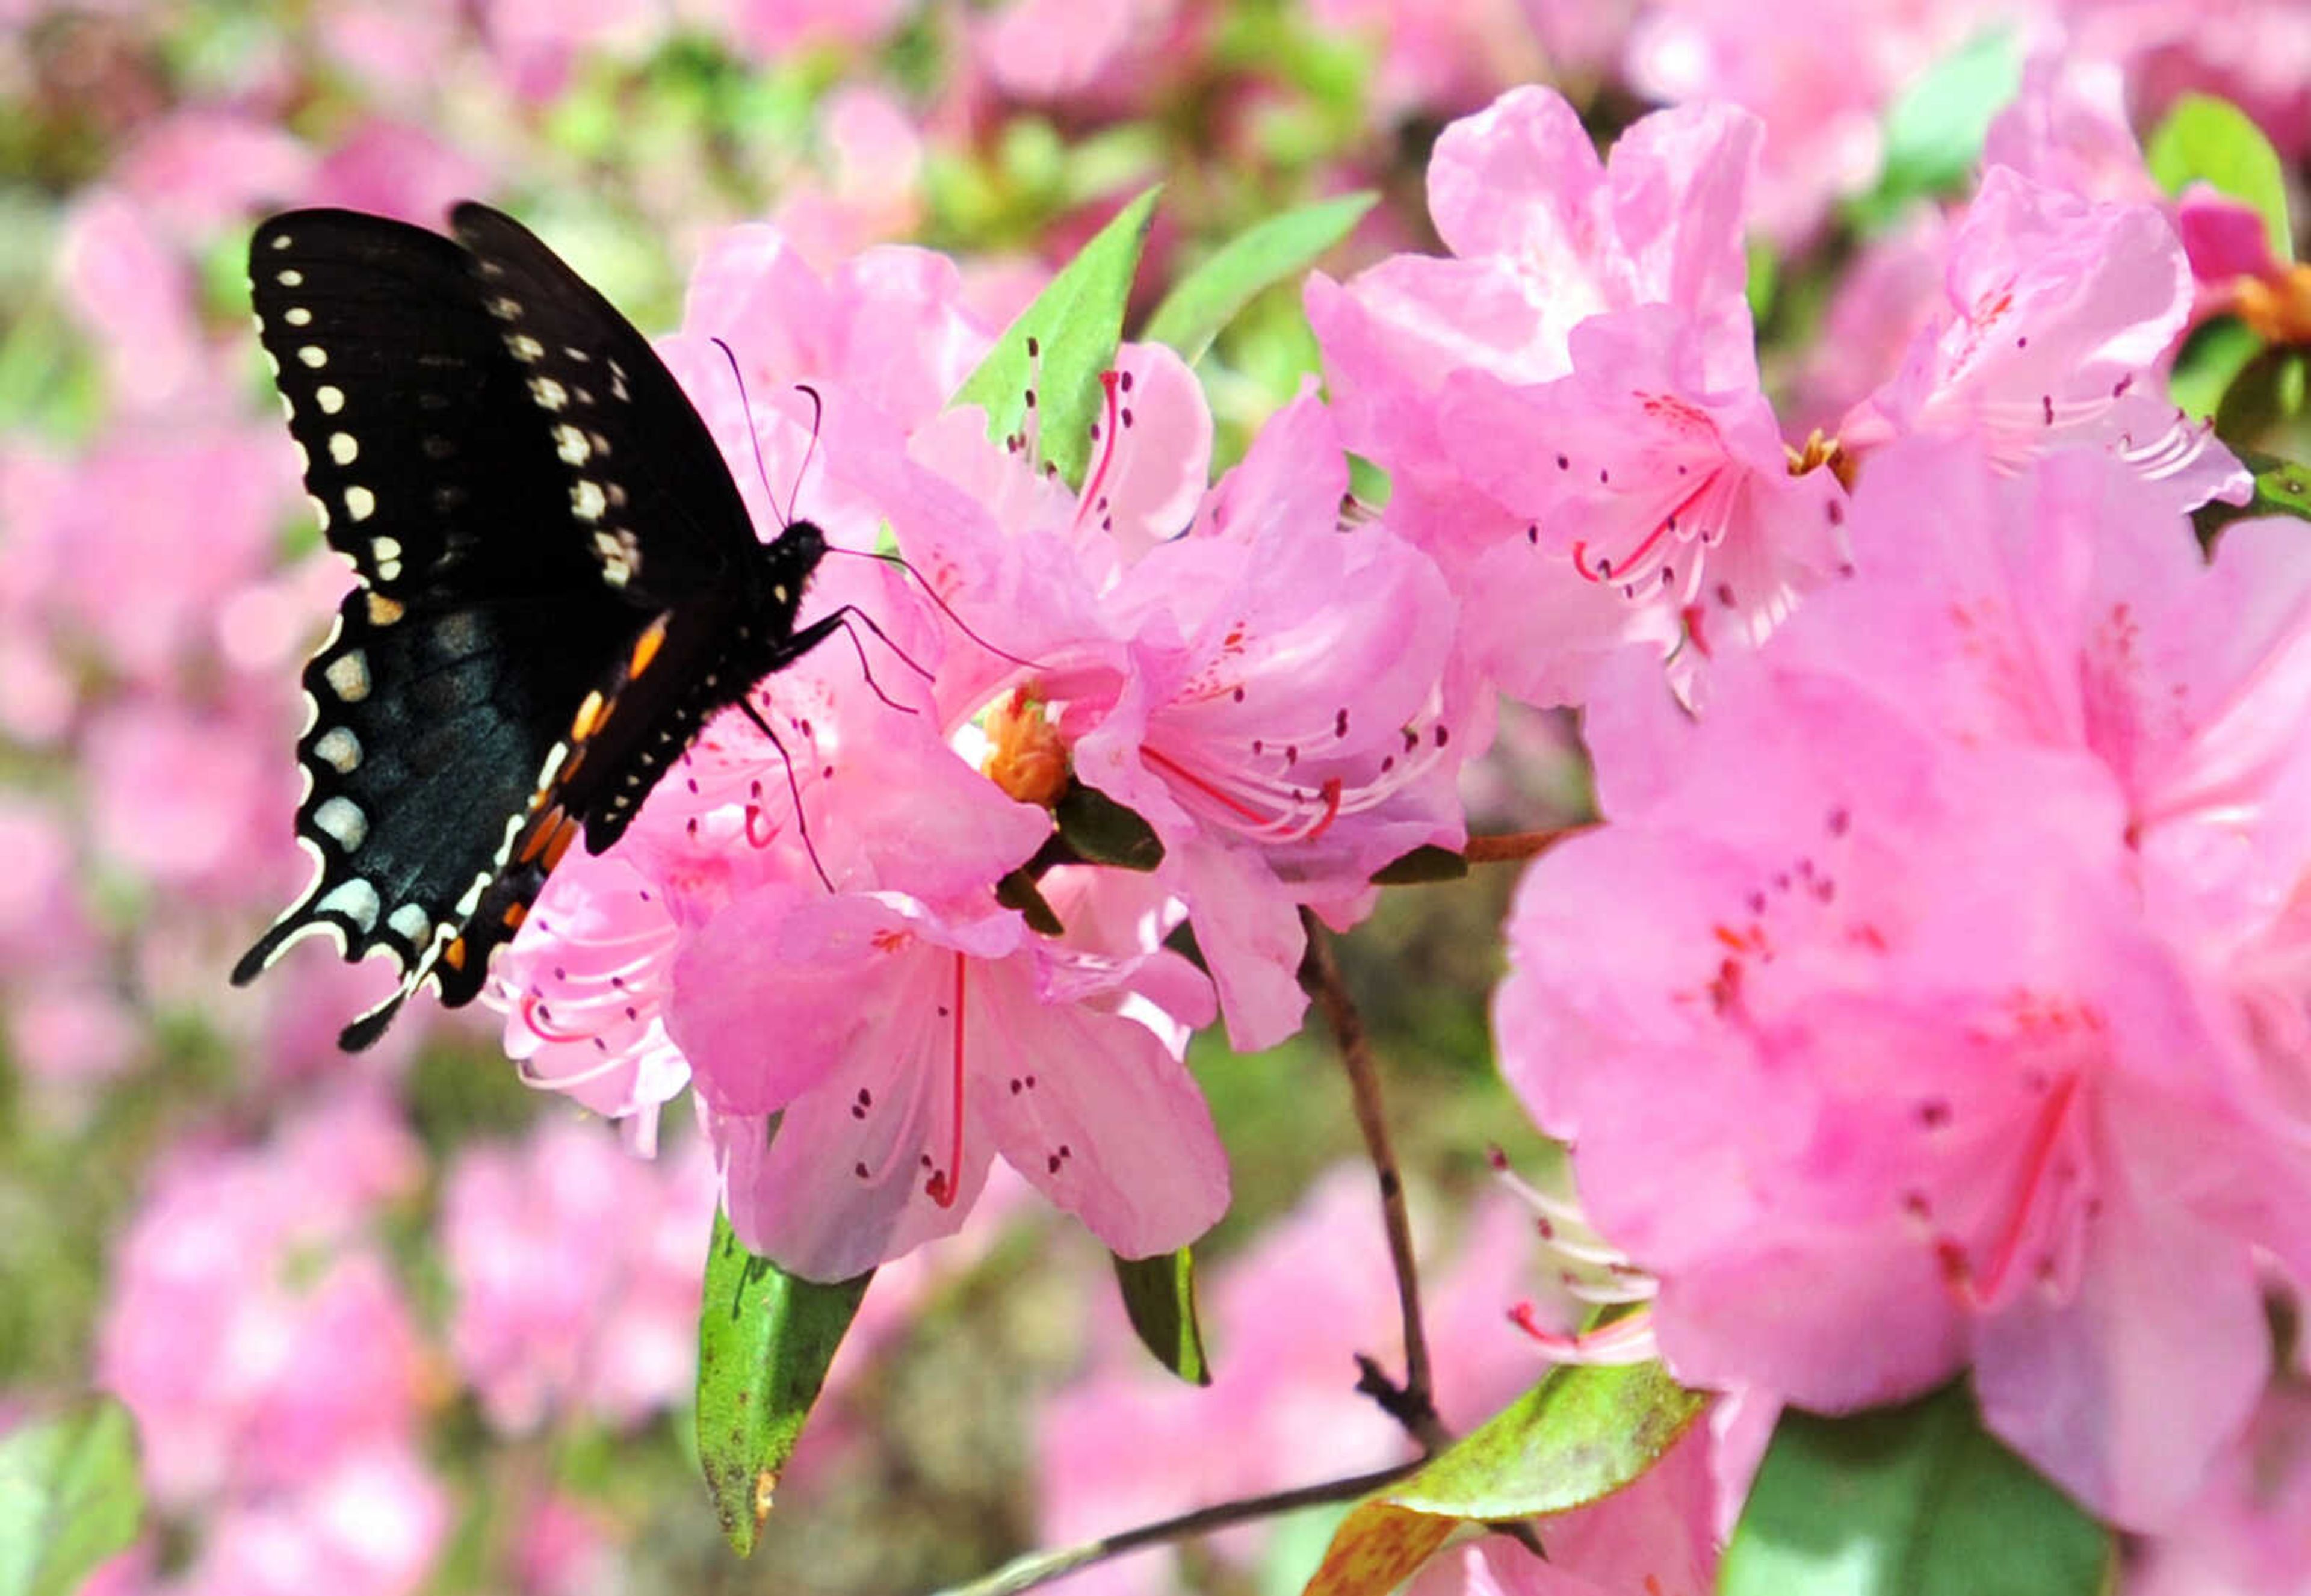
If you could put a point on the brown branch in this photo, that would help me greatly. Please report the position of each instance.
(1025, 1573)
(1412, 1404)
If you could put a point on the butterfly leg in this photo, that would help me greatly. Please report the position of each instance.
(794, 787)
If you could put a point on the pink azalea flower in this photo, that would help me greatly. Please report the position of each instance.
(2255, 53)
(1286, 732)
(1046, 49)
(1907, 959)
(2249, 1531)
(868, 190)
(397, 169)
(2068, 129)
(1821, 78)
(769, 29)
(1647, 479)
(203, 171)
(916, 1046)
(1437, 60)
(575, 1268)
(114, 552)
(371, 1525)
(397, 50)
(137, 298)
(1436, 368)
(1892, 287)
(259, 1339)
(2059, 310)
(219, 830)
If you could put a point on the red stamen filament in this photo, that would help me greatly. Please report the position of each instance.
(948, 1181)
(1109, 427)
(2036, 1157)
(532, 1006)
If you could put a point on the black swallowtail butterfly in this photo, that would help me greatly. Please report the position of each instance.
(559, 581)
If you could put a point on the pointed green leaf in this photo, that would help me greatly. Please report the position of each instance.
(2207, 140)
(1425, 863)
(1911, 1501)
(1159, 1294)
(1019, 891)
(2281, 487)
(1075, 323)
(1102, 832)
(2211, 359)
(1578, 1436)
(1202, 303)
(70, 1497)
(765, 1339)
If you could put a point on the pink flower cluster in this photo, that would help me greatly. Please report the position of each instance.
(1932, 996)
(867, 1024)
(282, 1382)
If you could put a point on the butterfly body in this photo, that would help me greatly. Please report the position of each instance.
(559, 582)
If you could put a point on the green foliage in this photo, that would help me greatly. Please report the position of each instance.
(1934, 130)
(765, 1339)
(1159, 1295)
(2211, 359)
(2281, 487)
(1279, 249)
(2207, 140)
(1075, 323)
(69, 1497)
(1576, 1438)
(1425, 863)
(1918, 1500)
(1102, 832)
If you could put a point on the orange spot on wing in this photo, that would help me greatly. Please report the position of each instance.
(454, 956)
(646, 647)
(541, 831)
(515, 913)
(589, 713)
(559, 844)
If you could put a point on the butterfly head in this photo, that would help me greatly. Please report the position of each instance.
(785, 567)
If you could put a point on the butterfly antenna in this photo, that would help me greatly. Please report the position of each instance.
(762, 472)
(945, 608)
(818, 414)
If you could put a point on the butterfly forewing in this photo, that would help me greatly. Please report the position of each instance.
(644, 477)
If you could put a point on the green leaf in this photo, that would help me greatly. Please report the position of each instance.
(1075, 323)
(1159, 1294)
(2211, 359)
(1019, 891)
(1102, 832)
(1911, 1501)
(765, 1339)
(2207, 140)
(2281, 487)
(2268, 393)
(70, 1497)
(1934, 130)
(1204, 301)
(1579, 1435)
(1424, 864)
